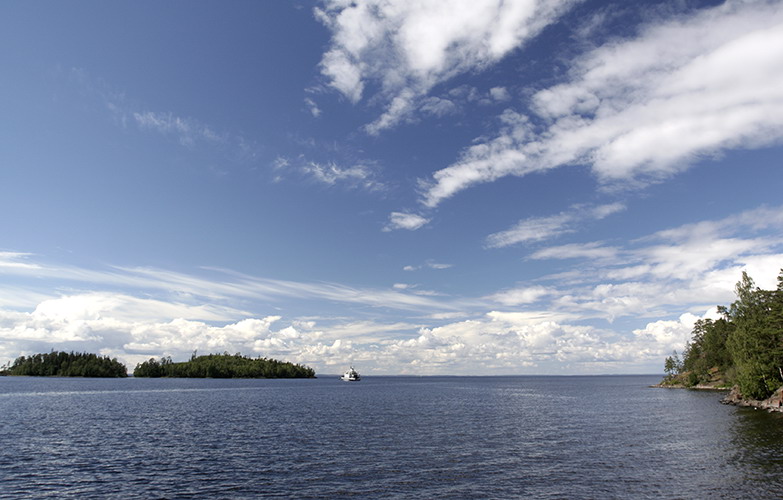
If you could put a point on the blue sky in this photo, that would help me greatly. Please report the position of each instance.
(445, 187)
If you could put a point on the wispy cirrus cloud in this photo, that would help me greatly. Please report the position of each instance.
(692, 264)
(403, 49)
(535, 229)
(362, 175)
(591, 250)
(670, 277)
(187, 130)
(225, 289)
(16, 260)
(644, 108)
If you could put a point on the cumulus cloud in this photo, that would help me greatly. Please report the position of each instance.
(499, 342)
(642, 109)
(499, 93)
(552, 324)
(135, 329)
(438, 106)
(496, 342)
(101, 324)
(671, 335)
(405, 48)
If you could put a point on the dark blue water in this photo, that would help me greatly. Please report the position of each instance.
(383, 437)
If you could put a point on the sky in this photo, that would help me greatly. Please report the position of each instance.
(428, 187)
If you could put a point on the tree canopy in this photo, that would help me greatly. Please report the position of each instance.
(222, 366)
(66, 364)
(743, 347)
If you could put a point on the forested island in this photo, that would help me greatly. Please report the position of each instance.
(743, 349)
(66, 364)
(222, 366)
(71, 364)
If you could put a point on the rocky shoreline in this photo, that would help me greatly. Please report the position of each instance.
(697, 387)
(773, 403)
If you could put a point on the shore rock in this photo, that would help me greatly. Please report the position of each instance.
(697, 387)
(772, 403)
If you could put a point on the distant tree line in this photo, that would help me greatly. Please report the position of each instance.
(66, 364)
(222, 366)
(70, 364)
(744, 347)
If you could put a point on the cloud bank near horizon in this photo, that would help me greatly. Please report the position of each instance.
(672, 277)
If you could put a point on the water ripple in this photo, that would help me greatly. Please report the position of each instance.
(395, 437)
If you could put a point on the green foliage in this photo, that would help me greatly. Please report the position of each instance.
(672, 367)
(66, 364)
(706, 353)
(744, 347)
(222, 366)
(756, 343)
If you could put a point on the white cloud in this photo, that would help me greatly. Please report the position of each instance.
(405, 48)
(16, 259)
(94, 305)
(331, 173)
(499, 94)
(513, 343)
(188, 131)
(684, 88)
(221, 292)
(592, 250)
(405, 220)
(437, 265)
(552, 325)
(671, 335)
(494, 343)
(430, 264)
(438, 106)
(519, 296)
(312, 107)
(358, 175)
(695, 265)
(602, 211)
(532, 229)
(642, 109)
(544, 228)
(483, 162)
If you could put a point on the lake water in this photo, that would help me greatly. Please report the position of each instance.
(383, 437)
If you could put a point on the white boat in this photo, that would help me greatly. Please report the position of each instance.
(351, 376)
